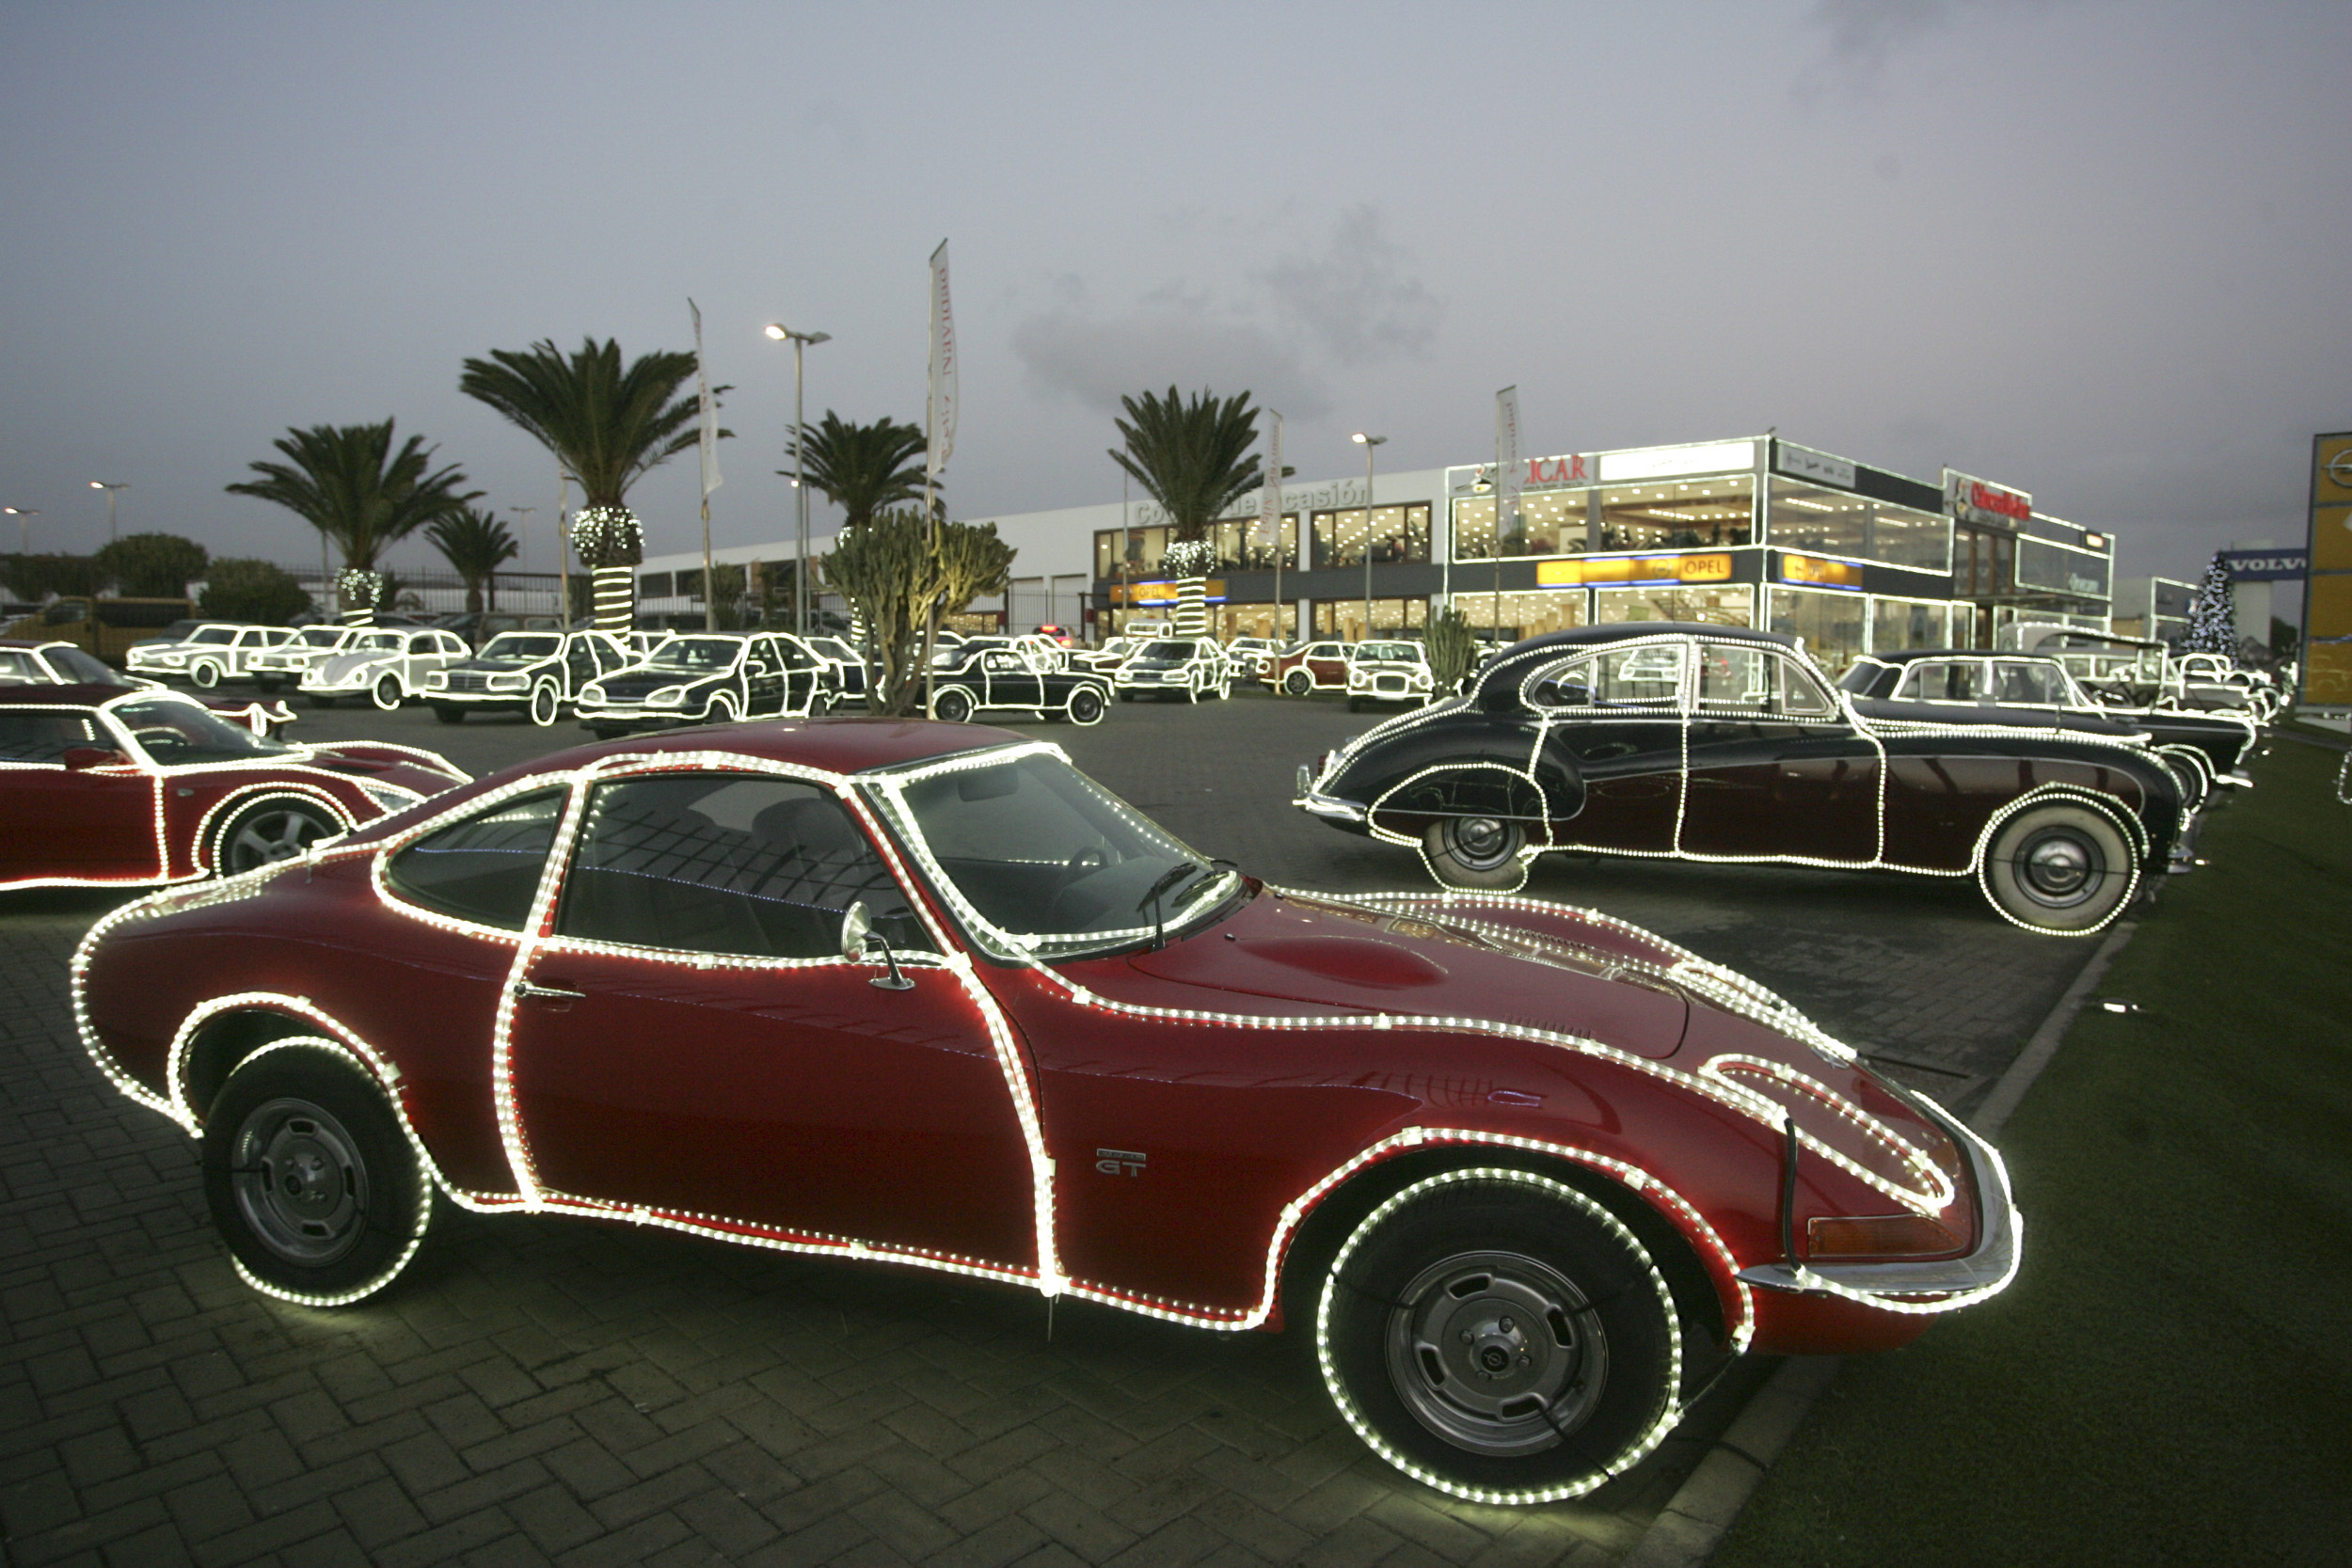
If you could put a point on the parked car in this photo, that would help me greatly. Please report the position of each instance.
(924, 995)
(1955, 686)
(1251, 655)
(108, 787)
(1188, 667)
(477, 626)
(385, 664)
(1306, 667)
(1000, 679)
(845, 672)
(1385, 671)
(273, 668)
(1106, 659)
(1059, 635)
(536, 673)
(25, 661)
(214, 652)
(707, 678)
(1720, 744)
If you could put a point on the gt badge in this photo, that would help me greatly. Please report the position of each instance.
(1119, 1162)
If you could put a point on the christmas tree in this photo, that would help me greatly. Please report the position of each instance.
(2213, 616)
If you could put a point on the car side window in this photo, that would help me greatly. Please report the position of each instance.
(746, 865)
(1801, 695)
(1944, 680)
(2018, 680)
(1639, 677)
(1736, 677)
(45, 737)
(484, 867)
(1564, 685)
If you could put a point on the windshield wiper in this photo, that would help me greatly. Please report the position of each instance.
(1168, 879)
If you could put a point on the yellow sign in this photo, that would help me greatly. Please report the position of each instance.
(1829, 574)
(1580, 570)
(2331, 470)
(2331, 539)
(2330, 610)
(2327, 674)
(1161, 592)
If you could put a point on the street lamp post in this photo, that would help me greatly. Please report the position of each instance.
(24, 529)
(1368, 442)
(799, 471)
(522, 552)
(110, 488)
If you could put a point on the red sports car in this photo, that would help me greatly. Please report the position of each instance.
(924, 995)
(105, 788)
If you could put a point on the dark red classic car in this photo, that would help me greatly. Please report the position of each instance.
(101, 786)
(1722, 744)
(924, 995)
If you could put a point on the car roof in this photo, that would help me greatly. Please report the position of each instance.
(1911, 655)
(850, 745)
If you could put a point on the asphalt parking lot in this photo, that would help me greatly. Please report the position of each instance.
(551, 1389)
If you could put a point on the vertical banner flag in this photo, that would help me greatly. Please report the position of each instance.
(1512, 475)
(1270, 500)
(710, 410)
(940, 434)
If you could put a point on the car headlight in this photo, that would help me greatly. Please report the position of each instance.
(509, 683)
(171, 659)
(669, 696)
(438, 679)
(391, 796)
(592, 692)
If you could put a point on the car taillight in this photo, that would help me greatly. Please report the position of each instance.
(1876, 1236)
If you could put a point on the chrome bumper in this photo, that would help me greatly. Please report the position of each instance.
(1329, 807)
(1983, 1273)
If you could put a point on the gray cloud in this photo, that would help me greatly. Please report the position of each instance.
(1283, 330)
(1862, 36)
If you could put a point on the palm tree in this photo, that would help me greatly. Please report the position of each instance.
(1194, 459)
(349, 482)
(863, 468)
(607, 426)
(475, 545)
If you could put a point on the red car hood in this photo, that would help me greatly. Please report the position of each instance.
(1566, 974)
(393, 765)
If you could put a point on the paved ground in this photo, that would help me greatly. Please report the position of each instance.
(546, 1388)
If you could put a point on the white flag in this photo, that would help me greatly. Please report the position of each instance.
(1512, 476)
(710, 410)
(1270, 502)
(939, 437)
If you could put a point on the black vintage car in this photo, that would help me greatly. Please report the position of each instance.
(991, 677)
(1956, 685)
(1716, 743)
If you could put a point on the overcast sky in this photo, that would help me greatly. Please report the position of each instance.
(2098, 250)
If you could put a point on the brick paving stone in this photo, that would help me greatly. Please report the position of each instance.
(545, 1388)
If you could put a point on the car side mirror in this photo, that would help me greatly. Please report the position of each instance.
(857, 927)
(78, 758)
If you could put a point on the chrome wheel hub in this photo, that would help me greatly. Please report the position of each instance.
(2058, 868)
(1481, 843)
(1496, 1352)
(299, 1183)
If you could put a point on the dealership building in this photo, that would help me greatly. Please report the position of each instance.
(1756, 531)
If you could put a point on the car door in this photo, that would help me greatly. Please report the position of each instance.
(1011, 680)
(692, 1040)
(1775, 768)
(764, 680)
(1618, 713)
(96, 823)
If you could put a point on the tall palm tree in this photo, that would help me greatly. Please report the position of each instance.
(607, 426)
(1194, 459)
(863, 468)
(475, 544)
(349, 482)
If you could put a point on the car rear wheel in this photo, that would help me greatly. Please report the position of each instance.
(309, 1177)
(1085, 705)
(2189, 770)
(951, 706)
(1475, 851)
(387, 693)
(1501, 1335)
(1298, 683)
(205, 675)
(2060, 868)
(449, 713)
(546, 704)
(277, 829)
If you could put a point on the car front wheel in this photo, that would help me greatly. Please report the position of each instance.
(1298, 683)
(951, 706)
(310, 1177)
(1475, 851)
(387, 693)
(205, 675)
(270, 831)
(546, 704)
(2060, 868)
(1501, 1335)
(1085, 705)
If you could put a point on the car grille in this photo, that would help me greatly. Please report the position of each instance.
(468, 680)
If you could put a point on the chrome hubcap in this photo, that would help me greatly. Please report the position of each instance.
(1496, 1352)
(1481, 843)
(299, 1183)
(274, 835)
(2058, 868)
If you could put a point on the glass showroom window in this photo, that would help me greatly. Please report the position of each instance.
(1900, 623)
(1551, 522)
(1522, 614)
(1837, 522)
(1229, 620)
(1344, 618)
(1831, 624)
(1399, 533)
(1714, 606)
(1244, 543)
(1679, 514)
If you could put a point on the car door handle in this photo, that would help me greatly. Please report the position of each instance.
(549, 994)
